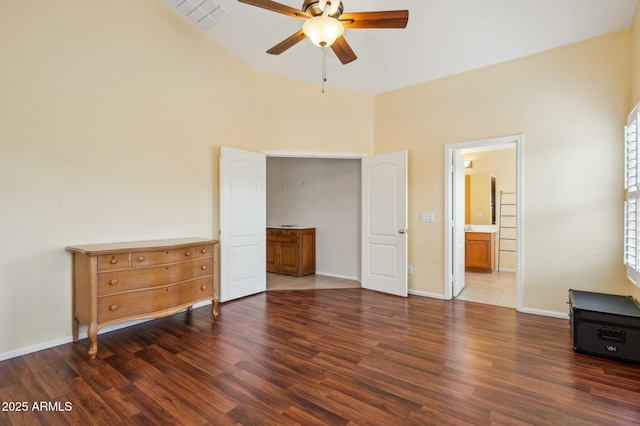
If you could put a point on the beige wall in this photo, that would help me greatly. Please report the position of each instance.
(570, 104)
(635, 59)
(112, 117)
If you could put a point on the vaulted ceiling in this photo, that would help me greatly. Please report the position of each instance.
(443, 37)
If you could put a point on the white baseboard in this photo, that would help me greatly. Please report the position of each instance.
(35, 348)
(81, 335)
(346, 277)
(544, 313)
(426, 294)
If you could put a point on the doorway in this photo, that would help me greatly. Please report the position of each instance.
(507, 271)
(383, 245)
(322, 193)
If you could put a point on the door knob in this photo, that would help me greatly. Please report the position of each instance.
(402, 231)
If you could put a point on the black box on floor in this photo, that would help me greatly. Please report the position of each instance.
(605, 325)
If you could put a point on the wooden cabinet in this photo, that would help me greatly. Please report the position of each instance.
(479, 252)
(140, 280)
(291, 251)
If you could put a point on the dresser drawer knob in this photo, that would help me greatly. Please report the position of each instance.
(203, 288)
(203, 251)
(187, 253)
(113, 307)
(141, 259)
(113, 282)
(203, 267)
(114, 260)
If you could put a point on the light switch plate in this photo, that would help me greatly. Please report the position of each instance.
(427, 217)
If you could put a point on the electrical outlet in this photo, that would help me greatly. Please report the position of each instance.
(409, 270)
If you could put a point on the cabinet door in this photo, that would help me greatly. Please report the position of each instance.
(271, 256)
(478, 254)
(289, 256)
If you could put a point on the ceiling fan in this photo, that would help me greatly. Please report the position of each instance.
(325, 23)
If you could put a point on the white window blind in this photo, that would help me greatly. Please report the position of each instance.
(631, 184)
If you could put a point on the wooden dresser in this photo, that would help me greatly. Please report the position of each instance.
(291, 250)
(140, 280)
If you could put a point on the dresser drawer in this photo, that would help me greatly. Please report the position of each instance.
(283, 232)
(202, 268)
(282, 239)
(150, 258)
(478, 236)
(111, 282)
(203, 251)
(135, 279)
(113, 261)
(141, 303)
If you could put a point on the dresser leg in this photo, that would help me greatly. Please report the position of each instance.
(214, 308)
(92, 333)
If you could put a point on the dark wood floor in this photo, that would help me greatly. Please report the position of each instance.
(336, 357)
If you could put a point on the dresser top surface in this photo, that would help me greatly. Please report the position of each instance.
(97, 249)
(289, 227)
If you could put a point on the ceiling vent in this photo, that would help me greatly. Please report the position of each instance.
(203, 13)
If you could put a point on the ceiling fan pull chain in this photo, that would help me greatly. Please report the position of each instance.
(324, 67)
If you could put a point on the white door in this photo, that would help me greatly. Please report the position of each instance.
(384, 223)
(457, 227)
(242, 223)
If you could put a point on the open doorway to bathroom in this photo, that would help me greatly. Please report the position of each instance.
(483, 236)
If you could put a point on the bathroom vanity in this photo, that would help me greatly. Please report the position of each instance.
(480, 243)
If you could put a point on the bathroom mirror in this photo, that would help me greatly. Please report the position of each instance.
(480, 202)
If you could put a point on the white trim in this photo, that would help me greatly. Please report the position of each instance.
(344, 277)
(488, 148)
(426, 294)
(309, 154)
(35, 348)
(518, 140)
(81, 335)
(544, 313)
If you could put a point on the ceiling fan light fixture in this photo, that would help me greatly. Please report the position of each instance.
(323, 30)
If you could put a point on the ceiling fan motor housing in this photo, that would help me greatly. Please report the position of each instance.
(312, 7)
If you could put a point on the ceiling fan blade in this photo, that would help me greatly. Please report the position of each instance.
(287, 43)
(343, 51)
(381, 19)
(279, 8)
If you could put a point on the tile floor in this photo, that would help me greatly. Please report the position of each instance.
(498, 288)
(286, 282)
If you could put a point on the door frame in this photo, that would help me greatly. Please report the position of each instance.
(340, 155)
(326, 156)
(518, 140)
